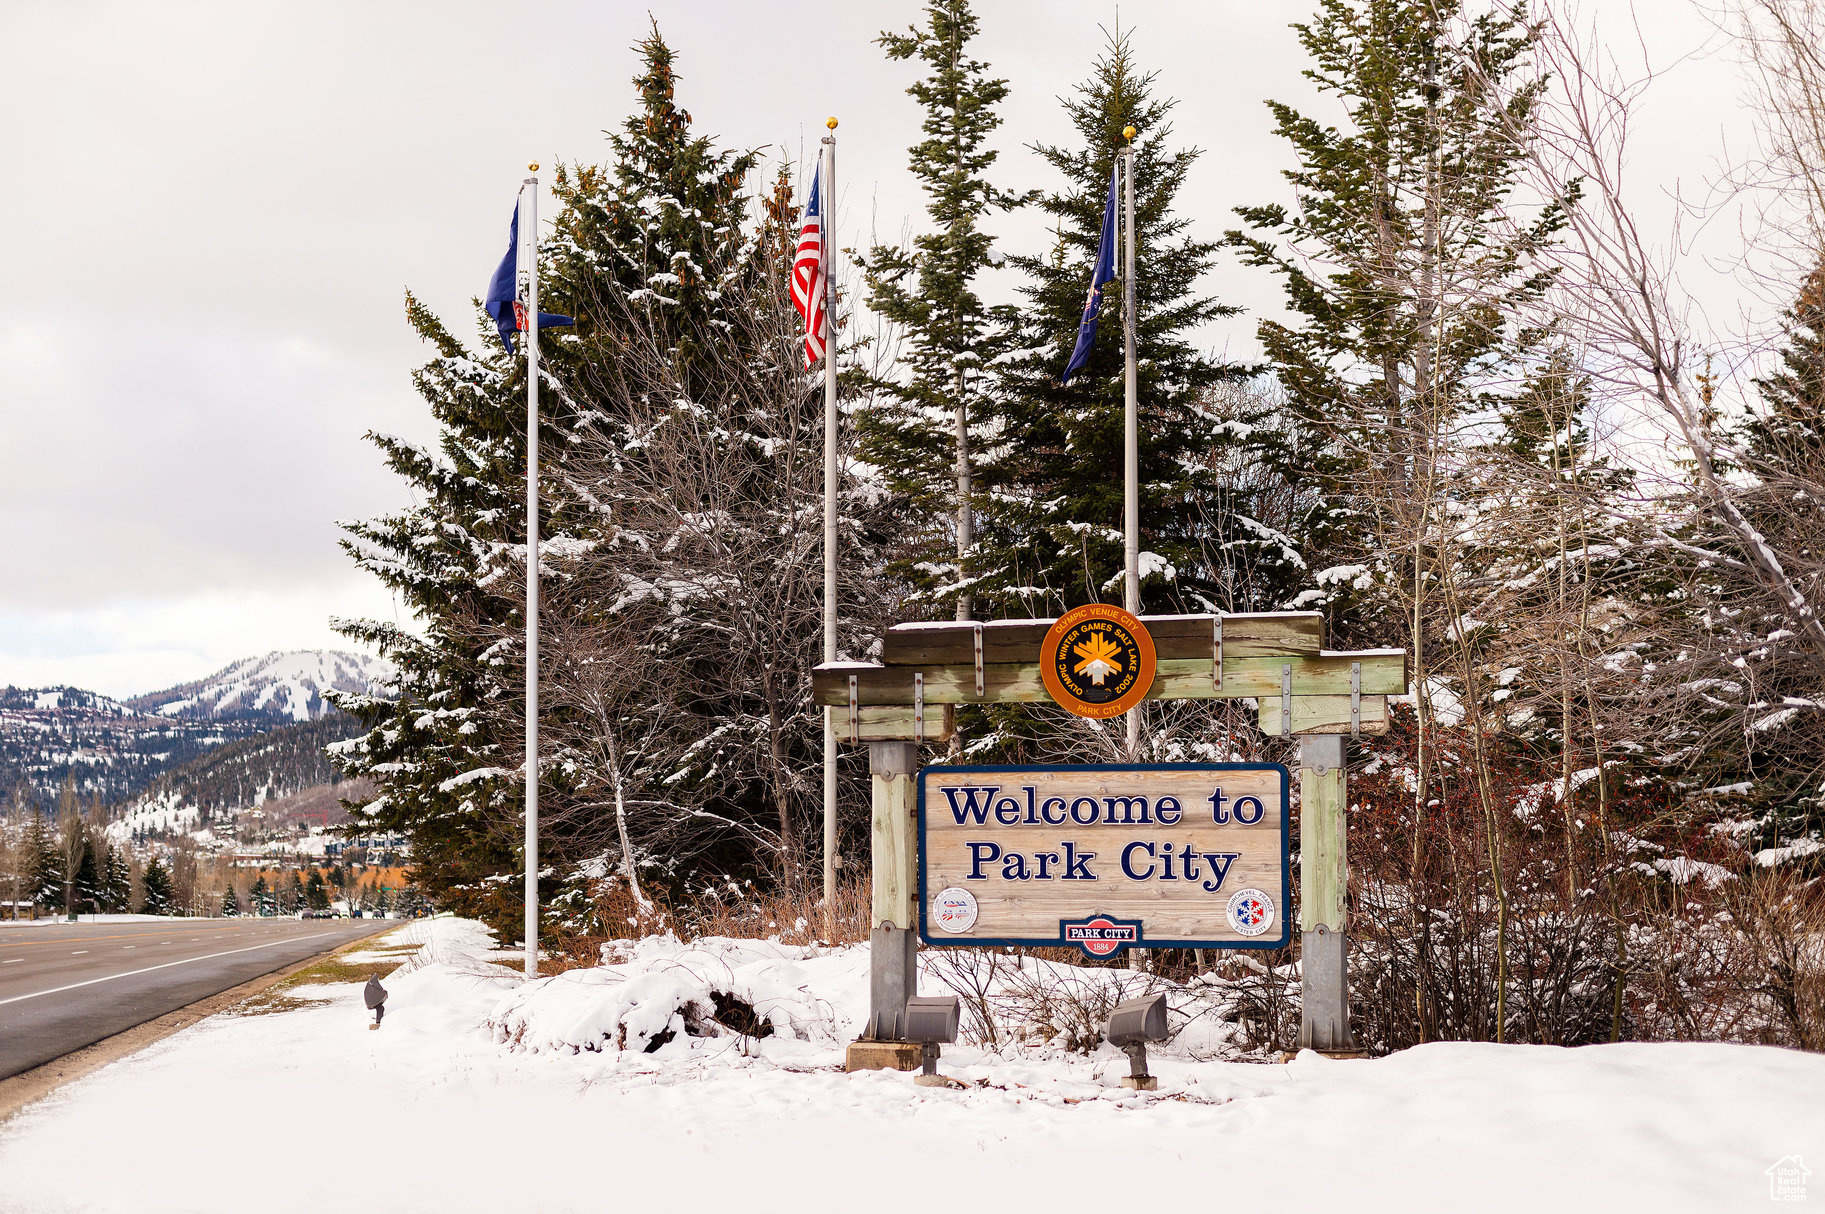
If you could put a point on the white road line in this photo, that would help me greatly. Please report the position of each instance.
(12, 961)
(79, 952)
(167, 965)
(129, 946)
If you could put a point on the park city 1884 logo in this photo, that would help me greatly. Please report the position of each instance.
(1097, 661)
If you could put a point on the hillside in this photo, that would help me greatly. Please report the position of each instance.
(275, 786)
(118, 749)
(113, 751)
(247, 773)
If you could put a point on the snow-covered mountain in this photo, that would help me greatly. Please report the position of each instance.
(278, 687)
(116, 749)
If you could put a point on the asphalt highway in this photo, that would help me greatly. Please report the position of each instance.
(67, 985)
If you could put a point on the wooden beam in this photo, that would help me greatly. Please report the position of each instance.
(1268, 634)
(1384, 672)
(1324, 714)
(892, 722)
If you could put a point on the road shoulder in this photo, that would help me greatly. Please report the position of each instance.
(28, 1087)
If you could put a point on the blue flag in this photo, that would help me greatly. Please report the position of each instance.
(503, 301)
(1105, 270)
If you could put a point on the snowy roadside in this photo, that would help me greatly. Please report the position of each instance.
(56, 920)
(481, 1093)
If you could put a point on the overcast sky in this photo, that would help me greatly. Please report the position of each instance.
(213, 211)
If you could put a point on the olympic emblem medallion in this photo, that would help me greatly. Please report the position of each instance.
(1097, 661)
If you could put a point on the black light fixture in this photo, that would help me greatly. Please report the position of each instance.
(931, 1020)
(375, 996)
(1132, 1024)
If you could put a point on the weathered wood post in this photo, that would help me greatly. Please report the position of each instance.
(893, 937)
(1324, 1019)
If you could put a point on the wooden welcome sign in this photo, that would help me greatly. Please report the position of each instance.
(1105, 857)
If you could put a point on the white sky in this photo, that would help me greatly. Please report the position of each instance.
(215, 209)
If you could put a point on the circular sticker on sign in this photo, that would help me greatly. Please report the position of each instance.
(954, 909)
(1250, 911)
(1097, 661)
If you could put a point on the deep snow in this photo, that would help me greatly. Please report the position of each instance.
(450, 1108)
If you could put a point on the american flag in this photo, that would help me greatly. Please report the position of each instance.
(808, 276)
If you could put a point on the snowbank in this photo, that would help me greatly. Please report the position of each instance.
(659, 989)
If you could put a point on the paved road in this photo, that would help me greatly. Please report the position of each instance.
(67, 985)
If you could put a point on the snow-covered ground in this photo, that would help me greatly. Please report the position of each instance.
(484, 1093)
(54, 920)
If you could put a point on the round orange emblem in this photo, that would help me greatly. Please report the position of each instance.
(1097, 661)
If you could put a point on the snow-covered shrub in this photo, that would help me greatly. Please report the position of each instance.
(653, 991)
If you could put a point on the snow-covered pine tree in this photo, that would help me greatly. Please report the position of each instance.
(923, 430)
(158, 887)
(684, 627)
(438, 775)
(44, 880)
(116, 879)
(1052, 535)
(261, 896)
(1778, 453)
(650, 241)
(1786, 433)
(642, 248)
(231, 905)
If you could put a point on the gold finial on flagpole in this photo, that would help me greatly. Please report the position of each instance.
(534, 166)
(1129, 133)
(831, 123)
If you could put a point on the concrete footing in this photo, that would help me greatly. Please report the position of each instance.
(883, 1056)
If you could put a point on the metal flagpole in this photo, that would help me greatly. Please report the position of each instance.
(827, 251)
(1131, 457)
(529, 238)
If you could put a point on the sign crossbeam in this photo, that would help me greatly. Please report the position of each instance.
(1383, 673)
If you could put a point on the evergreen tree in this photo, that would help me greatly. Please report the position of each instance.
(116, 880)
(261, 896)
(294, 894)
(316, 895)
(231, 905)
(1054, 537)
(1779, 457)
(44, 867)
(652, 241)
(158, 887)
(90, 873)
(924, 431)
(1402, 267)
(646, 246)
(1787, 433)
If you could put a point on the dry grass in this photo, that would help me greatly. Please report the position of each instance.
(333, 970)
(753, 914)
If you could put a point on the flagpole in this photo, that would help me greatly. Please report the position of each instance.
(529, 236)
(827, 250)
(1131, 457)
